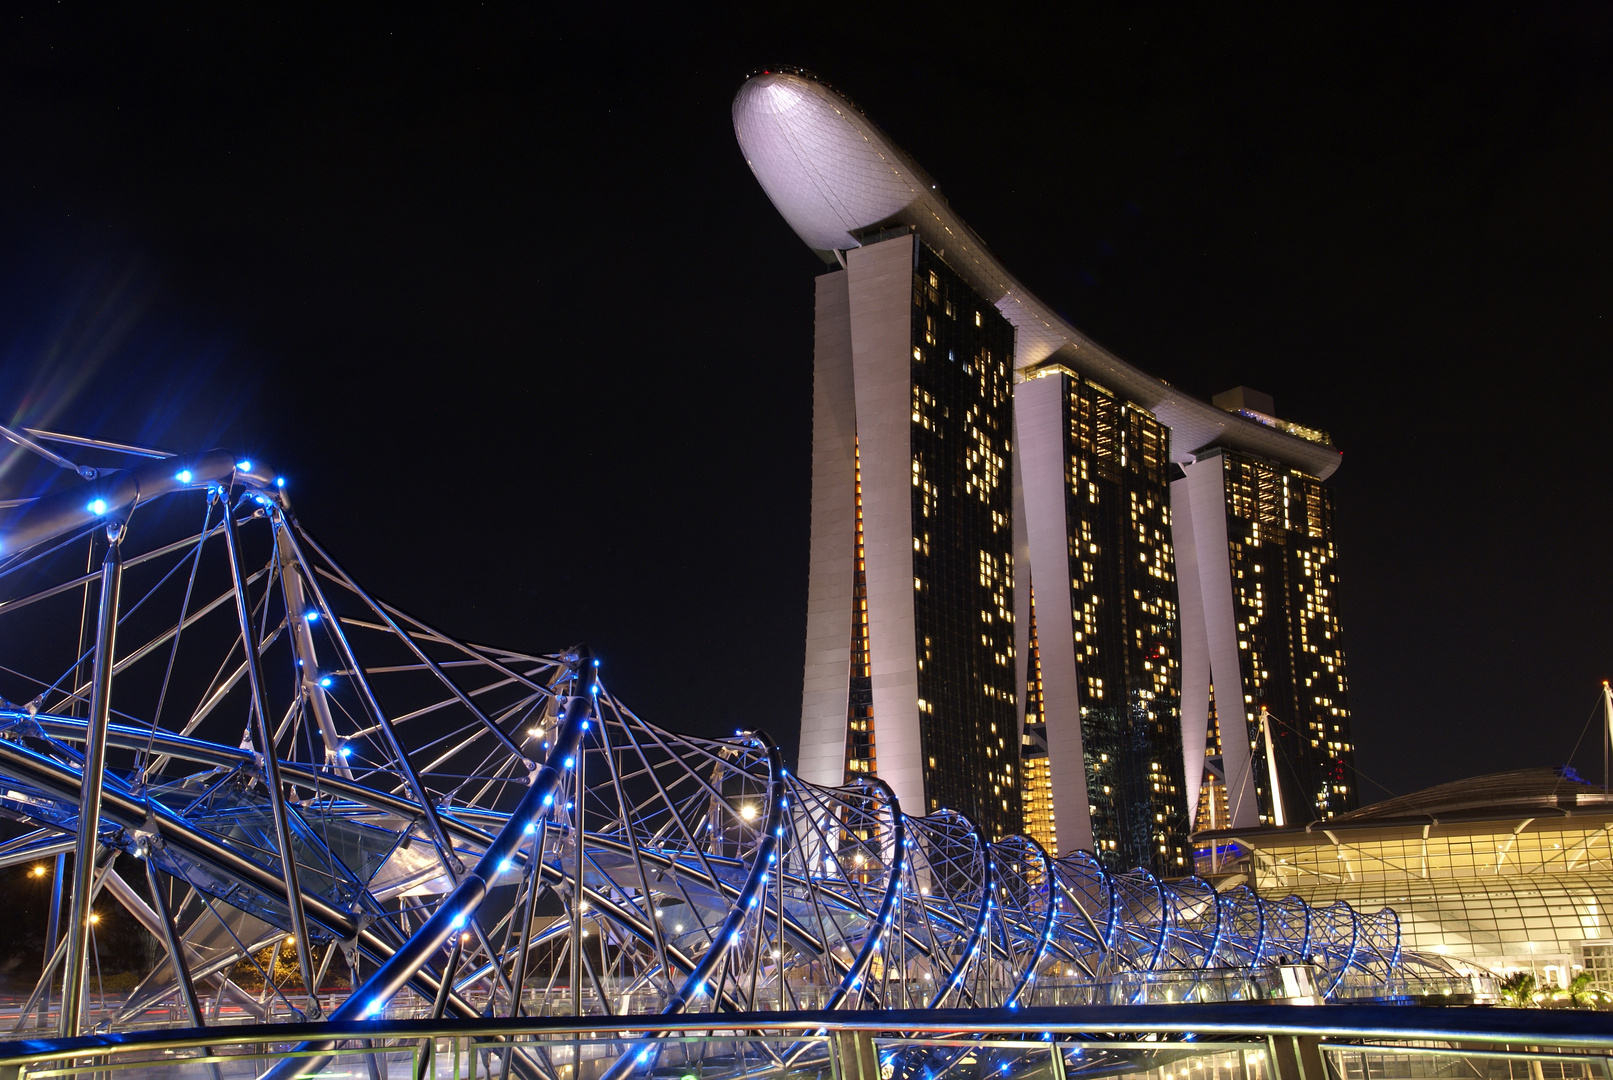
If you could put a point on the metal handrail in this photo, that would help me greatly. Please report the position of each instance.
(1538, 1028)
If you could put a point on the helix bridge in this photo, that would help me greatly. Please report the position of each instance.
(243, 748)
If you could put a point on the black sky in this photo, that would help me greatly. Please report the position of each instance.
(495, 289)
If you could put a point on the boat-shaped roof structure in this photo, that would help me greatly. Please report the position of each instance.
(840, 182)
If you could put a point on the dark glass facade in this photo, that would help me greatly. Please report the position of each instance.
(861, 758)
(963, 572)
(1127, 633)
(1290, 644)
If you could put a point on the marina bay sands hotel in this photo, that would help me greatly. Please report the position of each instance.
(1047, 589)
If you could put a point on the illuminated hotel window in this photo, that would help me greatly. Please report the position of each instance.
(963, 568)
(860, 747)
(1126, 633)
(1036, 789)
(1279, 525)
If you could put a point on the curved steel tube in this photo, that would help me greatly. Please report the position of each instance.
(709, 878)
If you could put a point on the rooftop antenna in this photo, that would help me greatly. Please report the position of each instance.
(1278, 818)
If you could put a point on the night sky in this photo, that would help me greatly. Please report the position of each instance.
(496, 291)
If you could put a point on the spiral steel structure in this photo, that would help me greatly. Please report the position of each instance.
(477, 831)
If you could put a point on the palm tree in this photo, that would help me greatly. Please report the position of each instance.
(1581, 993)
(1519, 989)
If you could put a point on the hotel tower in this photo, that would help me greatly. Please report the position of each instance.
(1047, 590)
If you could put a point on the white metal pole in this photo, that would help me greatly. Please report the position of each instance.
(1278, 818)
(89, 805)
(1607, 724)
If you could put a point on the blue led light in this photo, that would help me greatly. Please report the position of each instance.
(531, 827)
(97, 506)
(596, 663)
(280, 481)
(244, 465)
(312, 616)
(345, 752)
(505, 866)
(570, 761)
(548, 800)
(184, 476)
(326, 682)
(458, 921)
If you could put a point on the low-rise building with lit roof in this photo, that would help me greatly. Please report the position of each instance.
(1508, 872)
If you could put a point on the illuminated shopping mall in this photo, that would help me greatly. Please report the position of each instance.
(1509, 872)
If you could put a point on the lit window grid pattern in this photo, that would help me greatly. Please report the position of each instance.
(1038, 800)
(962, 549)
(1290, 643)
(1212, 809)
(1488, 854)
(861, 756)
(1037, 790)
(1127, 635)
(1597, 958)
(1504, 925)
(1536, 900)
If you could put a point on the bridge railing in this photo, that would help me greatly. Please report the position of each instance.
(1180, 1042)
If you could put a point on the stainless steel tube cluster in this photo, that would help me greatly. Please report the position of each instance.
(415, 824)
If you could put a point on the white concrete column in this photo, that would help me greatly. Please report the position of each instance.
(1217, 633)
(830, 583)
(1195, 646)
(1043, 465)
(880, 288)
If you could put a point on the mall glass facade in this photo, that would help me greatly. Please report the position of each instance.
(1526, 892)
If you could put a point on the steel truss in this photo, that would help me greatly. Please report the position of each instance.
(478, 831)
